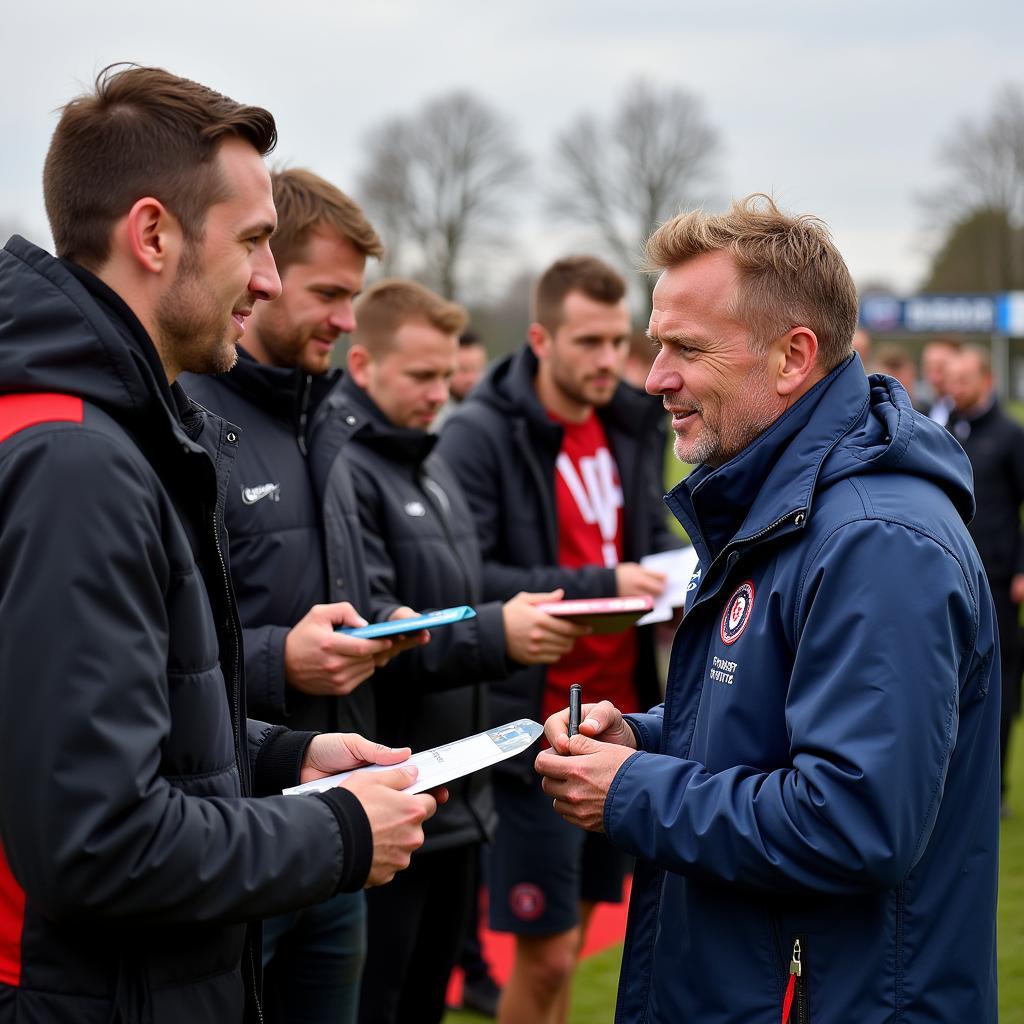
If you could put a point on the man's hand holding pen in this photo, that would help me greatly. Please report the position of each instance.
(579, 784)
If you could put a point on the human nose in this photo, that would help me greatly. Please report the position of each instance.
(438, 393)
(342, 318)
(265, 282)
(662, 379)
(608, 356)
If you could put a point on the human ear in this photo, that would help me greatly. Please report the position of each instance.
(539, 339)
(795, 355)
(359, 361)
(153, 235)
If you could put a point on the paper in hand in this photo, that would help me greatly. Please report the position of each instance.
(451, 761)
(678, 565)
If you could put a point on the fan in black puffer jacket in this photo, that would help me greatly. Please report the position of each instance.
(131, 855)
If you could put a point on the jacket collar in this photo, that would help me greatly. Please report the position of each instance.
(375, 430)
(286, 393)
(510, 387)
(171, 398)
(768, 488)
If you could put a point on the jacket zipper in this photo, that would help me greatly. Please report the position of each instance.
(237, 715)
(300, 436)
(797, 516)
(795, 1005)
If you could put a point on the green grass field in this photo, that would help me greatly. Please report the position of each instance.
(594, 992)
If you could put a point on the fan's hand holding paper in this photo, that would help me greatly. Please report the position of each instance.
(442, 764)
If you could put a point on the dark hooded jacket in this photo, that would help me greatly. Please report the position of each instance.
(821, 785)
(502, 446)
(422, 551)
(995, 445)
(131, 854)
(294, 529)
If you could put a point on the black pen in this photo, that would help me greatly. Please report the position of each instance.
(575, 708)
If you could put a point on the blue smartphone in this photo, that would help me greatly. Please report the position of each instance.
(395, 627)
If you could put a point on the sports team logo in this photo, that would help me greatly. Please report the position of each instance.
(526, 901)
(737, 612)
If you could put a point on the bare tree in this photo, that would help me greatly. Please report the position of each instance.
(384, 189)
(656, 153)
(983, 163)
(438, 182)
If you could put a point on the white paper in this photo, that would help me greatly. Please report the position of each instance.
(678, 565)
(442, 764)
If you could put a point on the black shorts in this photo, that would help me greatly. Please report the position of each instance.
(541, 867)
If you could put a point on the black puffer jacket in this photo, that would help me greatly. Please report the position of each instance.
(130, 854)
(503, 446)
(288, 551)
(422, 551)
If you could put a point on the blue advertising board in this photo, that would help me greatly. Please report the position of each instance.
(933, 314)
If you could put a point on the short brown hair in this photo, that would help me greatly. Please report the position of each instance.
(790, 272)
(389, 304)
(305, 203)
(143, 132)
(586, 274)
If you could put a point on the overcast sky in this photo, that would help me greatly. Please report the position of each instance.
(837, 108)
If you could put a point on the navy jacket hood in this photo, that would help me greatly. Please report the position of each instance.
(869, 426)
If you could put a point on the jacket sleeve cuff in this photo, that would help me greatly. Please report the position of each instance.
(594, 582)
(279, 760)
(646, 729)
(611, 820)
(356, 837)
(491, 632)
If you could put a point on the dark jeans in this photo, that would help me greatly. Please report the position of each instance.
(312, 961)
(415, 929)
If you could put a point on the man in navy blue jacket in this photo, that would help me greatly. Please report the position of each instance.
(814, 807)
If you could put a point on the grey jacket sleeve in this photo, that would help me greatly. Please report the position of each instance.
(93, 829)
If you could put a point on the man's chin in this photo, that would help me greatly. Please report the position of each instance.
(694, 451)
(316, 361)
(230, 358)
(600, 396)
